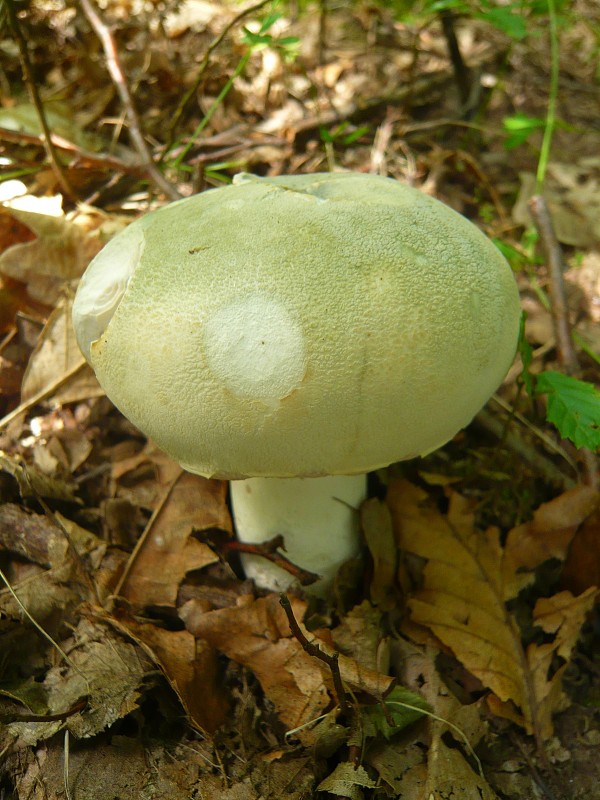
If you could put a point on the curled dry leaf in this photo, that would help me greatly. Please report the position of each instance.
(347, 780)
(32, 482)
(190, 668)
(467, 581)
(551, 531)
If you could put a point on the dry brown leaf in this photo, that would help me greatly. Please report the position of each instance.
(116, 766)
(257, 635)
(190, 667)
(60, 252)
(45, 595)
(169, 549)
(551, 530)
(573, 200)
(32, 536)
(562, 616)
(376, 524)
(467, 580)
(56, 356)
(441, 770)
(32, 481)
(105, 669)
(347, 780)
(582, 567)
(359, 635)
(449, 775)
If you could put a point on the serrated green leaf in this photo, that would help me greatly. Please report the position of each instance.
(403, 708)
(573, 407)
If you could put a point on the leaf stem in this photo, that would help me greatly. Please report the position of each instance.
(552, 98)
(214, 105)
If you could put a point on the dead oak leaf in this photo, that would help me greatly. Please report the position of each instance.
(467, 580)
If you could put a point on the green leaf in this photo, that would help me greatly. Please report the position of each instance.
(269, 21)
(403, 708)
(256, 39)
(505, 20)
(519, 128)
(573, 406)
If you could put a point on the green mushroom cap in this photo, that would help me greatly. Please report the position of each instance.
(300, 325)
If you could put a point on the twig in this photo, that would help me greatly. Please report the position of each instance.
(142, 541)
(532, 455)
(559, 310)
(113, 65)
(66, 766)
(555, 266)
(269, 550)
(314, 650)
(42, 394)
(366, 109)
(6, 717)
(84, 156)
(461, 71)
(57, 167)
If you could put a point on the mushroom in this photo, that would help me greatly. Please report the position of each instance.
(292, 334)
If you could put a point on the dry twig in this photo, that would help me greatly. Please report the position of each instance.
(57, 167)
(269, 550)
(555, 265)
(559, 310)
(314, 650)
(113, 65)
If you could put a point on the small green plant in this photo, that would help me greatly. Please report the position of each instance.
(572, 406)
(286, 45)
(344, 134)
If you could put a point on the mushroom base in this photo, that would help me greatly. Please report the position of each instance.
(318, 518)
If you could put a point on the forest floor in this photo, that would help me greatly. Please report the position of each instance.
(136, 660)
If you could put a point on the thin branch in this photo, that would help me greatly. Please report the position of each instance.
(560, 316)
(57, 167)
(314, 650)
(268, 549)
(555, 266)
(461, 71)
(113, 65)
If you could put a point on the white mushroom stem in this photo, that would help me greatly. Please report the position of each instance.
(318, 518)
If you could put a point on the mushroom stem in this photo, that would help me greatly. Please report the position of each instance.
(318, 518)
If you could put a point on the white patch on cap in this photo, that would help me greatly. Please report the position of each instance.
(256, 349)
